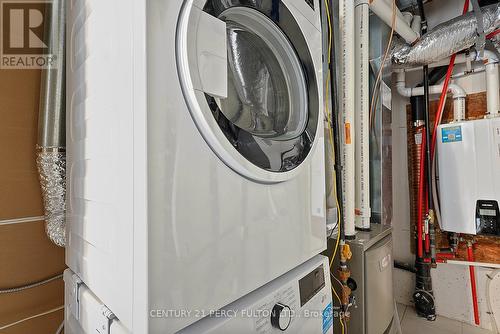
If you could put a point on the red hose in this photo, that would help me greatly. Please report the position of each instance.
(492, 34)
(445, 255)
(472, 272)
(442, 98)
(438, 260)
(421, 194)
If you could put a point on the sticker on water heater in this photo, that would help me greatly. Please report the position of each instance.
(451, 134)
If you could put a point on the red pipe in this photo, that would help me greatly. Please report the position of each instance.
(442, 98)
(492, 34)
(438, 260)
(472, 272)
(421, 194)
(445, 255)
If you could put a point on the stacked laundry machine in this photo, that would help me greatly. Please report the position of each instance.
(196, 186)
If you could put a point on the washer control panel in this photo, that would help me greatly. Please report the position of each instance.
(278, 311)
(281, 316)
(297, 302)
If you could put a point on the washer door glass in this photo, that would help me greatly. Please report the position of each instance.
(250, 85)
(267, 94)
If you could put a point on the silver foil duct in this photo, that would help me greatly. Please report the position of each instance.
(51, 164)
(447, 39)
(51, 148)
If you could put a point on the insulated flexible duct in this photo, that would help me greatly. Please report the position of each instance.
(51, 150)
(447, 38)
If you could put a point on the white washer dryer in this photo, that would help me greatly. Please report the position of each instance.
(195, 151)
(297, 302)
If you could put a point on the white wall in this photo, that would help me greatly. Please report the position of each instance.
(451, 282)
(453, 295)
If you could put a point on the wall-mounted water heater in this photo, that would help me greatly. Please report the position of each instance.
(469, 176)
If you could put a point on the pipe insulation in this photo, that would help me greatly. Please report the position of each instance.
(362, 107)
(447, 38)
(347, 105)
(383, 9)
(51, 145)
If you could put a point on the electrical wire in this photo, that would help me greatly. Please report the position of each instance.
(338, 298)
(329, 119)
(30, 286)
(493, 34)
(439, 117)
(328, 114)
(375, 95)
(340, 316)
(442, 98)
(60, 329)
(31, 317)
(330, 131)
(337, 280)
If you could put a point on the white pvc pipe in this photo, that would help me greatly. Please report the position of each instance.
(475, 264)
(347, 96)
(492, 89)
(384, 11)
(492, 78)
(458, 93)
(408, 17)
(416, 24)
(363, 211)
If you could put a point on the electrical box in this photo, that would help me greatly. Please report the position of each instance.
(469, 176)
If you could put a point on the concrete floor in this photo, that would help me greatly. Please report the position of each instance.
(412, 324)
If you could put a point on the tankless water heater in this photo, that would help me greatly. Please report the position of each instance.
(469, 176)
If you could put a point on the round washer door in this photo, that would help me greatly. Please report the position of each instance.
(248, 90)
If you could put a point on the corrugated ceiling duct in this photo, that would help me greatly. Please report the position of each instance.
(447, 39)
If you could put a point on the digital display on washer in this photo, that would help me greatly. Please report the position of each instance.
(311, 284)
